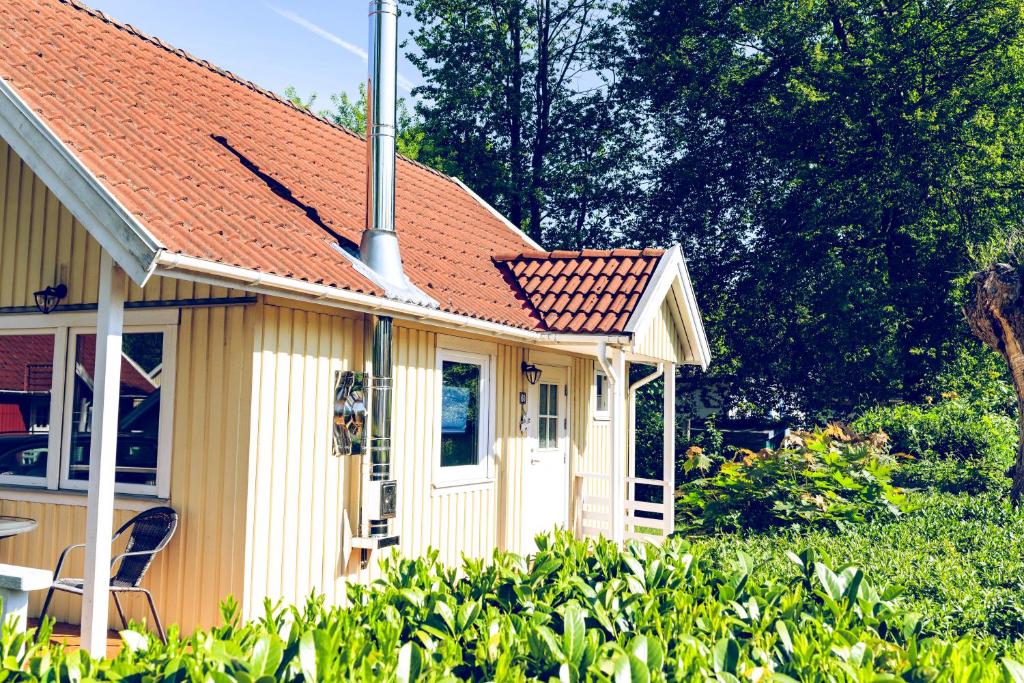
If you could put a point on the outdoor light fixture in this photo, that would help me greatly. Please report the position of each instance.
(531, 371)
(47, 299)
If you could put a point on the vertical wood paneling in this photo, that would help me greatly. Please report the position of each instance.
(298, 531)
(661, 338)
(204, 563)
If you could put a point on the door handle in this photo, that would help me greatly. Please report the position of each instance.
(534, 461)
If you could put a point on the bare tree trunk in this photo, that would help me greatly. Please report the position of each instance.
(996, 316)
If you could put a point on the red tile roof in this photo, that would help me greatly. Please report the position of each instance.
(217, 168)
(592, 291)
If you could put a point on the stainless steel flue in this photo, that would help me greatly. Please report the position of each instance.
(379, 245)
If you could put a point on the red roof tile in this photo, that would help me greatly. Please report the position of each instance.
(217, 168)
(599, 296)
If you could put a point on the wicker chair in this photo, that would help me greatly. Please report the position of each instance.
(151, 531)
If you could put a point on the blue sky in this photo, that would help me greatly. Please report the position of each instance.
(315, 45)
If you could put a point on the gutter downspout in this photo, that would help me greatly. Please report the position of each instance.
(615, 370)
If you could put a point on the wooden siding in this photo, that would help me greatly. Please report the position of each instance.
(591, 438)
(42, 244)
(302, 508)
(661, 339)
(203, 564)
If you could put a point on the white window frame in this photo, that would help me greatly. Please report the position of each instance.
(162, 487)
(605, 414)
(483, 470)
(53, 444)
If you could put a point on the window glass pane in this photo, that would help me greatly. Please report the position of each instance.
(460, 414)
(138, 418)
(26, 381)
(553, 400)
(602, 396)
(542, 426)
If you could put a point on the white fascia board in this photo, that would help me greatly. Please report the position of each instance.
(132, 247)
(696, 320)
(218, 274)
(509, 224)
(670, 272)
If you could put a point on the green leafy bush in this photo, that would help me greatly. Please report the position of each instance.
(575, 611)
(957, 557)
(955, 445)
(827, 477)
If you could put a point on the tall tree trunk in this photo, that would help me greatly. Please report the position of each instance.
(543, 116)
(516, 115)
(996, 316)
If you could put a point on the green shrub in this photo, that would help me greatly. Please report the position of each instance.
(957, 557)
(575, 611)
(955, 446)
(822, 478)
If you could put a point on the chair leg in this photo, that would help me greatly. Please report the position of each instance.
(156, 617)
(46, 608)
(120, 612)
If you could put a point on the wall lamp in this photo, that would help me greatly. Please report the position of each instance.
(47, 299)
(531, 371)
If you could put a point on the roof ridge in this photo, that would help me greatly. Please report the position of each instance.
(648, 252)
(230, 75)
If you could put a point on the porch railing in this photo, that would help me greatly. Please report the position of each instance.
(644, 520)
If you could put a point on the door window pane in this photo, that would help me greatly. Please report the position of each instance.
(26, 384)
(460, 414)
(548, 416)
(601, 392)
(138, 420)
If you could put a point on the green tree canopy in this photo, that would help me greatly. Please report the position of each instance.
(827, 165)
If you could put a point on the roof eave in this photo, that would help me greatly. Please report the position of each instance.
(118, 232)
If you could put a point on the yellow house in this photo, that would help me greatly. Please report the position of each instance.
(228, 296)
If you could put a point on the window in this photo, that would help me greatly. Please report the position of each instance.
(547, 416)
(26, 406)
(600, 396)
(46, 406)
(465, 415)
(139, 401)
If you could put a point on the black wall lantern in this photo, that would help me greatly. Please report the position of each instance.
(47, 299)
(531, 371)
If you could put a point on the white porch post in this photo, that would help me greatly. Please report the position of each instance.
(102, 457)
(669, 449)
(619, 418)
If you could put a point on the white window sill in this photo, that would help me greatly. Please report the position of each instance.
(448, 488)
(122, 501)
(602, 417)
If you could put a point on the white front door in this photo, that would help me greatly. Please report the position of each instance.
(546, 476)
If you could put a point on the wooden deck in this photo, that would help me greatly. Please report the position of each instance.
(69, 636)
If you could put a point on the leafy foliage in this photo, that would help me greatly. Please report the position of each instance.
(351, 113)
(957, 557)
(827, 165)
(574, 611)
(955, 445)
(827, 477)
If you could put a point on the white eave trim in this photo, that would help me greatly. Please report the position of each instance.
(219, 274)
(670, 272)
(114, 227)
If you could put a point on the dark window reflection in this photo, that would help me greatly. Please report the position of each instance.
(26, 383)
(138, 407)
(460, 414)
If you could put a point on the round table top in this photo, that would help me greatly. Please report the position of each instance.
(12, 526)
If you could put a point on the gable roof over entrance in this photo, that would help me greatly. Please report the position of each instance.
(173, 162)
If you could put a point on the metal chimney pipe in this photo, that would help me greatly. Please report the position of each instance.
(379, 245)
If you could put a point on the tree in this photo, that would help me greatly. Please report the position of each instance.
(516, 102)
(995, 314)
(351, 113)
(827, 165)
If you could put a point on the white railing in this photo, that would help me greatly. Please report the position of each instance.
(644, 520)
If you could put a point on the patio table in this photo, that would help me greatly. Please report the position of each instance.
(12, 526)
